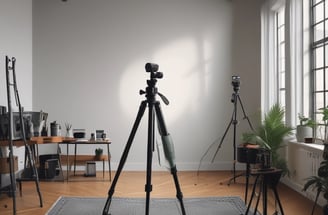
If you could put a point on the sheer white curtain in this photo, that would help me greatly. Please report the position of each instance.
(294, 60)
(269, 91)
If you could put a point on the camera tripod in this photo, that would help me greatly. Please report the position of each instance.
(154, 111)
(234, 99)
(10, 66)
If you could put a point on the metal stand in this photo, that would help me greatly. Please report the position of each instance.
(234, 99)
(154, 108)
(10, 133)
(268, 179)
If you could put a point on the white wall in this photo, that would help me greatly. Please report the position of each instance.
(246, 57)
(16, 41)
(88, 67)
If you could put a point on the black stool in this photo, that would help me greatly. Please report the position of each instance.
(265, 178)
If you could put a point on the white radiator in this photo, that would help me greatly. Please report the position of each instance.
(307, 163)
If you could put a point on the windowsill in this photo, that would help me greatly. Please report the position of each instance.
(317, 146)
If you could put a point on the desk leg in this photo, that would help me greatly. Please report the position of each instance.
(75, 145)
(109, 168)
(67, 160)
(103, 168)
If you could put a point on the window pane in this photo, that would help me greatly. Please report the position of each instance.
(326, 10)
(282, 80)
(282, 99)
(318, 32)
(318, 55)
(326, 55)
(282, 51)
(283, 65)
(318, 12)
(281, 33)
(319, 80)
(324, 82)
(319, 101)
(281, 17)
(316, 1)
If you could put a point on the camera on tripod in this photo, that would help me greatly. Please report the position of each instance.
(235, 82)
(153, 69)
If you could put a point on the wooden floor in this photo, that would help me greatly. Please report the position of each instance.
(131, 184)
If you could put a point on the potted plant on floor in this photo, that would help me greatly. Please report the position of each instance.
(305, 129)
(98, 152)
(320, 184)
(270, 135)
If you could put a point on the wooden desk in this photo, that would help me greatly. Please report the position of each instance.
(84, 158)
(38, 140)
(68, 141)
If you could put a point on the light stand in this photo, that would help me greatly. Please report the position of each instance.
(154, 111)
(234, 99)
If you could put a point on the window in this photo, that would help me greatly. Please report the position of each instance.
(319, 46)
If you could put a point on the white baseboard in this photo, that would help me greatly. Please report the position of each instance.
(185, 166)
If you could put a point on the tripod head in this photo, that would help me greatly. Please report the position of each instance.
(153, 69)
(151, 89)
(235, 82)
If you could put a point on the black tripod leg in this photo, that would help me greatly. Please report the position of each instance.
(163, 131)
(234, 122)
(177, 186)
(222, 139)
(150, 147)
(244, 113)
(278, 200)
(124, 156)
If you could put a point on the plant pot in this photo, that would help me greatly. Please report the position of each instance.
(303, 132)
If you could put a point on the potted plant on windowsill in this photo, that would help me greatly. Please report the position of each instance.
(304, 131)
(270, 136)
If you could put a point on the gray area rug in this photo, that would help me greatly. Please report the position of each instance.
(158, 206)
